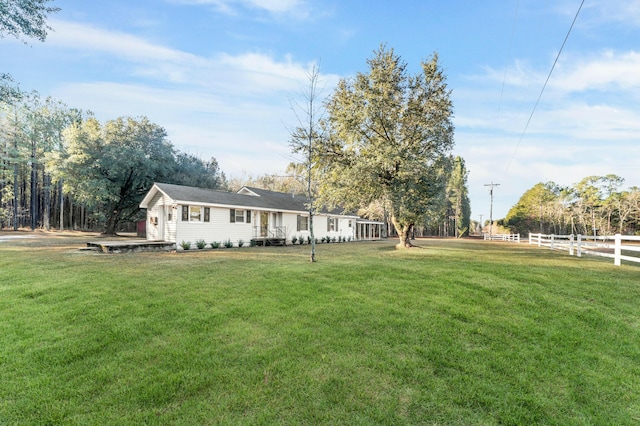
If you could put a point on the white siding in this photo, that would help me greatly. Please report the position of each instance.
(219, 228)
(320, 227)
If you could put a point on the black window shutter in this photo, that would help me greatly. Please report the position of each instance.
(207, 214)
(185, 213)
(248, 216)
(232, 216)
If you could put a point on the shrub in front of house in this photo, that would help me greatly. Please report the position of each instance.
(308, 239)
(253, 242)
(215, 244)
(294, 239)
(228, 243)
(301, 240)
(186, 245)
(201, 244)
(240, 243)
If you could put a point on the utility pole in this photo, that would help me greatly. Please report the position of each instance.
(491, 208)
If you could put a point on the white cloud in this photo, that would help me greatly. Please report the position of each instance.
(625, 12)
(97, 40)
(244, 74)
(608, 71)
(295, 8)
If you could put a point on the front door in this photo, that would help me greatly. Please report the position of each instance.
(264, 224)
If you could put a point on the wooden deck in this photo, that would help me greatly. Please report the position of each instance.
(131, 246)
(270, 241)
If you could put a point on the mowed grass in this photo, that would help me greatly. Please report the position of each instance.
(455, 332)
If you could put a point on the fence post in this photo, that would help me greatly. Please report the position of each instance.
(552, 238)
(617, 250)
(571, 245)
(579, 245)
(518, 236)
(539, 240)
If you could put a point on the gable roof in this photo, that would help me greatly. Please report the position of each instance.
(247, 197)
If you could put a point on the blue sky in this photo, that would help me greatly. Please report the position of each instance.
(220, 76)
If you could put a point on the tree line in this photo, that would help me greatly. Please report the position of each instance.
(61, 167)
(596, 205)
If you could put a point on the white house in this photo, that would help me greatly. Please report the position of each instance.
(178, 213)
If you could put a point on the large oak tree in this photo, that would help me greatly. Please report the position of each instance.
(112, 166)
(390, 134)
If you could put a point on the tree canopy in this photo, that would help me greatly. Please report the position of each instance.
(25, 18)
(389, 135)
(594, 204)
(111, 166)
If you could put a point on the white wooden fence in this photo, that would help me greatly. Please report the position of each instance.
(502, 237)
(619, 247)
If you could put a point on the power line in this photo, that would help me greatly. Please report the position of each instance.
(543, 87)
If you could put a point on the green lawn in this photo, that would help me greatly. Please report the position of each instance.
(455, 332)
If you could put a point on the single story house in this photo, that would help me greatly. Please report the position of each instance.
(177, 213)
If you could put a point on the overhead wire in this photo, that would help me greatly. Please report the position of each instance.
(543, 88)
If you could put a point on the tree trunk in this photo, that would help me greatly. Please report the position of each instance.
(47, 202)
(34, 190)
(112, 221)
(61, 226)
(15, 196)
(404, 233)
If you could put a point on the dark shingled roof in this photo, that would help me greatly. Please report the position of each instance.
(265, 199)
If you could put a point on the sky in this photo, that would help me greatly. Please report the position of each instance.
(223, 77)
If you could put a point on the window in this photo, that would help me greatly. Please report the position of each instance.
(303, 223)
(332, 224)
(195, 213)
(238, 216)
(169, 217)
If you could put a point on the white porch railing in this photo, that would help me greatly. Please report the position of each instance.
(619, 247)
(502, 237)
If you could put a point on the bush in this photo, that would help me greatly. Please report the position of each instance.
(215, 244)
(294, 239)
(333, 239)
(201, 244)
(240, 243)
(186, 245)
(301, 240)
(228, 243)
(308, 239)
(253, 242)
